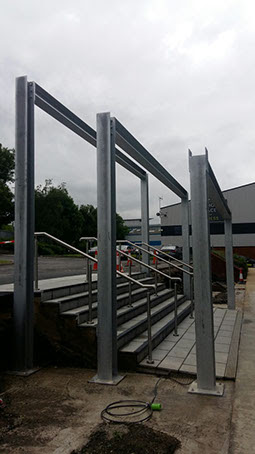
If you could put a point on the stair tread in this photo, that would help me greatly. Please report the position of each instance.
(84, 308)
(124, 309)
(83, 294)
(135, 344)
(143, 316)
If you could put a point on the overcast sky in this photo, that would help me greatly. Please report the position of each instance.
(177, 74)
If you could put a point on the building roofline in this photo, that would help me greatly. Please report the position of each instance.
(225, 190)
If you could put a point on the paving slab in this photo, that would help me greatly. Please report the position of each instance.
(181, 350)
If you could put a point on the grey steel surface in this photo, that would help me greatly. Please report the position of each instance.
(145, 216)
(65, 116)
(24, 226)
(175, 311)
(106, 217)
(215, 192)
(135, 149)
(229, 263)
(89, 279)
(185, 244)
(202, 273)
(149, 360)
(36, 265)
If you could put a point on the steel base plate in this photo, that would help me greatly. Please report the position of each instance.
(115, 380)
(218, 391)
(23, 373)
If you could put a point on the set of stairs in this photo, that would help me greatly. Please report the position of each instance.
(63, 316)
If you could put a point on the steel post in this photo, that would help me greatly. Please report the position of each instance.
(185, 244)
(229, 263)
(149, 360)
(145, 220)
(156, 277)
(130, 284)
(23, 306)
(89, 277)
(202, 274)
(36, 265)
(175, 311)
(191, 298)
(106, 221)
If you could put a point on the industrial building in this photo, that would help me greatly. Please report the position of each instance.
(135, 228)
(241, 203)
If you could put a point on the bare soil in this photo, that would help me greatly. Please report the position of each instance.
(128, 439)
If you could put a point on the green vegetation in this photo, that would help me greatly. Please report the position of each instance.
(6, 177)
(57, 214)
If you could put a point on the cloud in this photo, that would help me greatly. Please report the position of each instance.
(177, 76)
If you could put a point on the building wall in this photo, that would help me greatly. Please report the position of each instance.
(134, 235)
(241, 204)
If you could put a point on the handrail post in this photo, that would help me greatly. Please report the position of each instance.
(192, 297)
(175, 311)
(90, 319)
(156, 277)
(149, 360)
(130, 285)
(140, 258)
(87, 266)
(36, 264)
(170, 281)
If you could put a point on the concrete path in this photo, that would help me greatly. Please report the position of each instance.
(179, 353)
(242, 435)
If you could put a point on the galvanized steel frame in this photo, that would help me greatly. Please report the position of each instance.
(29, 94)
(204, 185)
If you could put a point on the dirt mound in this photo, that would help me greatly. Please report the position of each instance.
(128, 439)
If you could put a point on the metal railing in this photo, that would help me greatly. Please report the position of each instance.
(170, 257)
(89, 269)
(129, 278)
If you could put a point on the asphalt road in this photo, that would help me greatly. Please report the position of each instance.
(49, 267)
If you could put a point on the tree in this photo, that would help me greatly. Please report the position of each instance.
(89, 220)
(89, 223)
(56, 213)
(7, 165)
(121, 229)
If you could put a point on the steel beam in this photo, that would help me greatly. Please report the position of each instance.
(145, 220)
(215, 192)
(202, 275)
(57, 110)
(186, 245)
(23, 307)
(106, 212)
(135, 149)
(229, 263)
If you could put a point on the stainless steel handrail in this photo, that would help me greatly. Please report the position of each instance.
(129, 278)
(153, 255)
(168, 255)
(89, 276)
(152, 269)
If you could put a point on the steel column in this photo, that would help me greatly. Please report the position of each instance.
(202, 275)
(106, 221)
(145, 219)
(229, 263)
(23, 307)
(185, 244)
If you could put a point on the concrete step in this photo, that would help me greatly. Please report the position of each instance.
(81, 313)
(80, 299)
(136, 326)
(137, 349)
(67, 289)
(126, 313)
